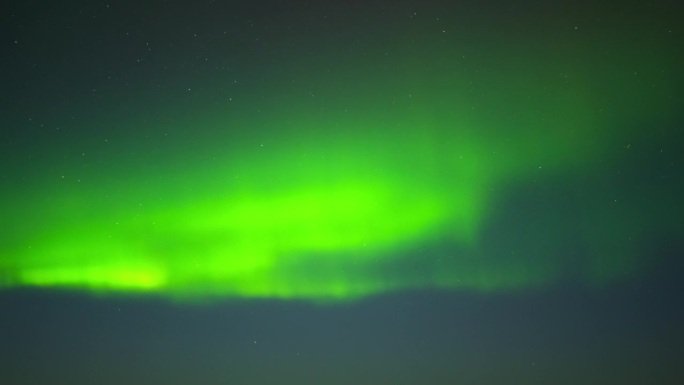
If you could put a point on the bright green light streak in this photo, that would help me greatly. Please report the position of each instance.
(250, 236)
(338, 211)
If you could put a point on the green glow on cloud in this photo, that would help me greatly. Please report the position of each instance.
(391, 190)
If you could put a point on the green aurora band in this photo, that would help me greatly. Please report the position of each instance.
(388, 177)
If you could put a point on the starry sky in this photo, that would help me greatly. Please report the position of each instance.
(341, 192)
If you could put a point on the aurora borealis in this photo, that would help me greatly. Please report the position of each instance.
(317, 190)
(214, 154)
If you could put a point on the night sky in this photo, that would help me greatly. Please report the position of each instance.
(341, 192)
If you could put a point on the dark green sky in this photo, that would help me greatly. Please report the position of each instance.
(283, 156)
